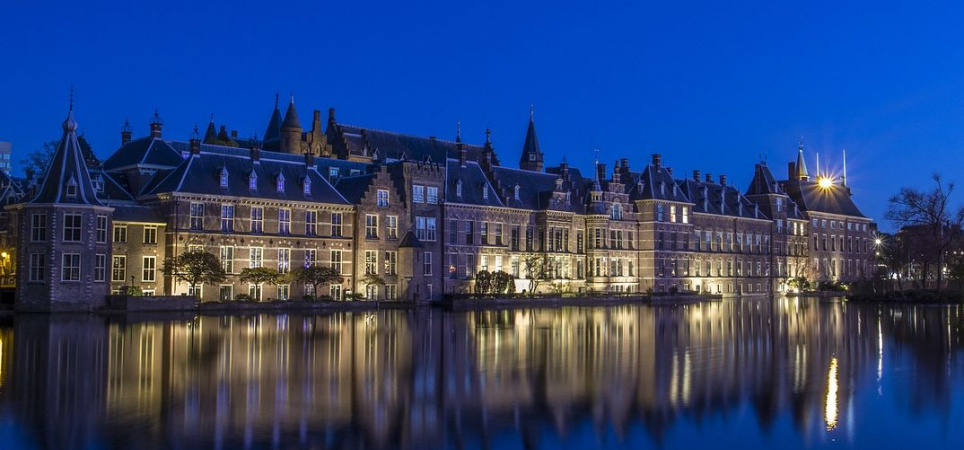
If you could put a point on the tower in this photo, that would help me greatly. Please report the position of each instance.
(63, 235)
(531, 154)
(291, 130)
(802, 174)
(272, 135)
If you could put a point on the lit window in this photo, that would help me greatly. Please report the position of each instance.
(307, 186)
(311, 223)
(149, 269)
(119, 269)
(382, 199)
(257, 219)
(252, 181)
(418, 194)
(224, 177)
(280, 184)
(197, 216)
(336, 224)
(371, 226)
(284, 221)
(391, 225)
(432, 194)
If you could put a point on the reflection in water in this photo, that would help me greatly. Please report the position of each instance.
(531, 378)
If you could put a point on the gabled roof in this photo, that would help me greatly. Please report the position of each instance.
(654, 183)
(358, 141)
(708, 198)
(67, 172)
(763, 182)
(810, 197)
(199, 174)
(144, 152)
(536, 188)
(474, 183)
(353, 188)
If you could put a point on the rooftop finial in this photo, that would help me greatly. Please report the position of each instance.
(532, 111)
(71, 98)
(800, 147)
(277, 98)
(194, 135)
(292, 98)
(488, 135)
(458, 130)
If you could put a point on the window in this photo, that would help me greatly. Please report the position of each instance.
(311, 223)
(224, 177)
(617, 212)
(371, 226)
(427, 263)
(335, 291)
(672, 213)
(226, 292)
(686, 215)
(514, 239)
(458, 188)
(371, 262)
(284, 221)
(197, 216)
(119, 269)
(150, 234)
(257, 219)
(485, 192)
(149, 269)
(418, 194)
(469, 232)
(72, 187)
(336, 260)
(425, 228)
(432, 194)
(484, 232)
(38, 227)
(332, 175)
(253, 181)
(101, 228)
(255, 291)
(100, 266)
(336, 224)
(391, 292)
(72, 224)
(383, 198)
(255, 257)
(391, 263)
(38, 267)
(70, 267)
(227, 217)
(391, 225)
(659, 212)
(284, 260)
(227, 259)
(280, 182)
(311, 257)
(120, 233)
(284, 291)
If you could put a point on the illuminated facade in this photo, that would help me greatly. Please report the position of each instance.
(406, 217)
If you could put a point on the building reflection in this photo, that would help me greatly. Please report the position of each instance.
(427, 378)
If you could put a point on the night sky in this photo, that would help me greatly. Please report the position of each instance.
(710, 86)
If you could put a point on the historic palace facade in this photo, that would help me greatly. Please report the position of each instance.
(422, 215)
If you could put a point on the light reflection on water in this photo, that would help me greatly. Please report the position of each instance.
(798, 374)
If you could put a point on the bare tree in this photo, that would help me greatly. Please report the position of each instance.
(930, 214)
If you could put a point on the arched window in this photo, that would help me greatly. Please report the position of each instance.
(617, 212)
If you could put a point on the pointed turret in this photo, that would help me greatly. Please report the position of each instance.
(211, 134)
(291, 130)
(272, 135)
(67, 180)
(531, 153)
(802, 174)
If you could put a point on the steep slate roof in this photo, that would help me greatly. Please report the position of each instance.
(147, 152)
(365, 141)
(132, 212)
(272, 135)
(531, 144)
(809, 196)
(535, 189)
(473, 182)
(67, 166)
(200, 174)
(291, 116)
(646, 185)
(111, 189)
(714, 192)
(353, 188)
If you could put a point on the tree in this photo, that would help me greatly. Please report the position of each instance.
(370, 280)
(316, 276)
(195, 268)
(536, 270)
(37, 161)
(483, 282)
(501, 283)
(893, 254)
(259, 276)
(929, 214)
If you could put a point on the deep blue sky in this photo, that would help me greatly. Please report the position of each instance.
(709, 86)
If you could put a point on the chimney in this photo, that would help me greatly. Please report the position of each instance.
(255, 154)
(722, 180)
(600, 171)
(316, 120)
(309, 160)
(616, 177)
(234, 135)
(564, 169)
(331, 116)
(709, 178)
(223, 134)
(657, 160)
(195, 142)
(156, 125)
(463, 155)
(696, 176)
(791, 170)
(126, 133)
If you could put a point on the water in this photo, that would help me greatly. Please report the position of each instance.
(737, 374)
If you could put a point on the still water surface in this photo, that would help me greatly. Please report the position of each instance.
(738, 374)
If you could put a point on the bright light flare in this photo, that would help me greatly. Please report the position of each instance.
(825, 182)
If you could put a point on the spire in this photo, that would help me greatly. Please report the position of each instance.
(458, 131)
(818, 166)
(843, 180)
(291, 117)
(211, 134)
(531, 153)
(67, 180)
(156, 124)
(272, 135)
(802, 174)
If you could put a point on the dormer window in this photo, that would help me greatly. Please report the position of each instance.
(72, 188)
(332, 175)
(306, 186)
(485, 193)
(224, 177)
(617, 212)
(280, 183)
(252, 180)
(515, 193)
(458, 188)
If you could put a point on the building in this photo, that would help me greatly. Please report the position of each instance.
(6, 151)
(414, 218)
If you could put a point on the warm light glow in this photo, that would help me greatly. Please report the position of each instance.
(830, 412)
(825, 182)
(877, 241)
(4, 255)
